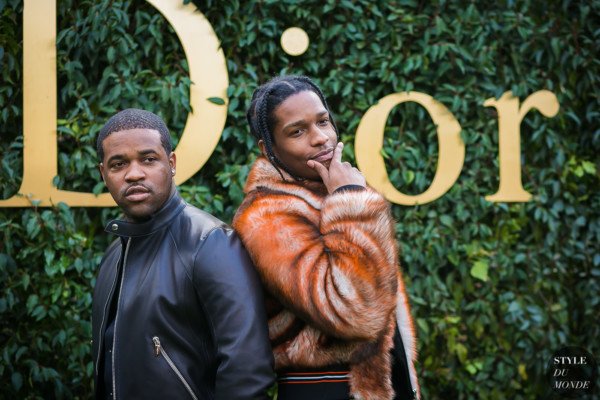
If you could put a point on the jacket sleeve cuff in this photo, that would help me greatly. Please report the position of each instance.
(345, 188)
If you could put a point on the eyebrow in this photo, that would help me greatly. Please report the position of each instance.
(122, 156)
(301, 121)
(146, 152)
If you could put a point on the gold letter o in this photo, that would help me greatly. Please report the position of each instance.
(369, 142)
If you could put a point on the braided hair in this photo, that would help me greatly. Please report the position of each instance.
(265, 100)
(133, 118)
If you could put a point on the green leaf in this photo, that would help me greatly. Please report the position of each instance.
(216, 100)
(32, 301)
(461, 352)
(589, 167)
(471, 369)
(17, 380)
(447, 220)
(479, 270)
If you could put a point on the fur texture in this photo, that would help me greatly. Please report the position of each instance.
(330, 266)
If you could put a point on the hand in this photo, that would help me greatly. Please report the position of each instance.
(339, 173)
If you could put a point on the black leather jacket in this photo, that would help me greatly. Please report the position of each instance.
(190, 321)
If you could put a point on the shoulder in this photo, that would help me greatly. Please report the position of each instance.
(209, 233)
(220, 257)
(291, 196)
(195, 224)
(204, 241)
(277, 205)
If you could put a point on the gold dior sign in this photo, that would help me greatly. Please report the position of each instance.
(208, 72)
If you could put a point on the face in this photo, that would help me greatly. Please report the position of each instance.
(302, 132)
(137, 171)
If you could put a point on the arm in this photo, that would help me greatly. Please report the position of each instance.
(232, 296)
(336, 268)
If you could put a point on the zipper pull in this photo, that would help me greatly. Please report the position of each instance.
(156, 346)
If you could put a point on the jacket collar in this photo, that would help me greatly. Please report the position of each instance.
(173, 206)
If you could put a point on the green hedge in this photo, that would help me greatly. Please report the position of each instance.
(479, 338)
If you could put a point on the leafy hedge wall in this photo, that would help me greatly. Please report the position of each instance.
(480, 337)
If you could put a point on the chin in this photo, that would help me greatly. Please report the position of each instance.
(138, 217)
(138, 214)
(305, 172)
(312, 177)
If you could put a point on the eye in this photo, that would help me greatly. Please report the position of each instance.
(117, 164)
(149, 159)
(324, 121)
(297, 132)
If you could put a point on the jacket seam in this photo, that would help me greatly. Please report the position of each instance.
(209, 317)
(186, 267)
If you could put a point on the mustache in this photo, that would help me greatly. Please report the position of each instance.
(321, 153)
(138, 187)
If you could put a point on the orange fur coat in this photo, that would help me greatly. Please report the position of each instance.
(330, 264)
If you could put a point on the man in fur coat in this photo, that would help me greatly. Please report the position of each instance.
(323, 244)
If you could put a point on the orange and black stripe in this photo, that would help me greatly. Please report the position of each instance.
(313, 377)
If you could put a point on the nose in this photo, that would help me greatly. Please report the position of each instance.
(319, 137)
(135, 172)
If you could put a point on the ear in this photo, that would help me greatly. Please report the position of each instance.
(172, 162)
(263, 148)
(101, 168)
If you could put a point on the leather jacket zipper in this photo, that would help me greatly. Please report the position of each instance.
(114, 376)
(158, 350)
(101, 333)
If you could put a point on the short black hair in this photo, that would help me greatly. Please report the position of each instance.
(265, 100)
(133, 118)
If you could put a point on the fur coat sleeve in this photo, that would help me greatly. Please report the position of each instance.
(330, 259)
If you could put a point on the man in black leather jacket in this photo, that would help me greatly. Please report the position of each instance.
(177, 310)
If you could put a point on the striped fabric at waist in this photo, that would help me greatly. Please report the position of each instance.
(313, 377)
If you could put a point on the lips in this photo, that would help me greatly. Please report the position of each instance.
(137, 193)
(323, 156)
